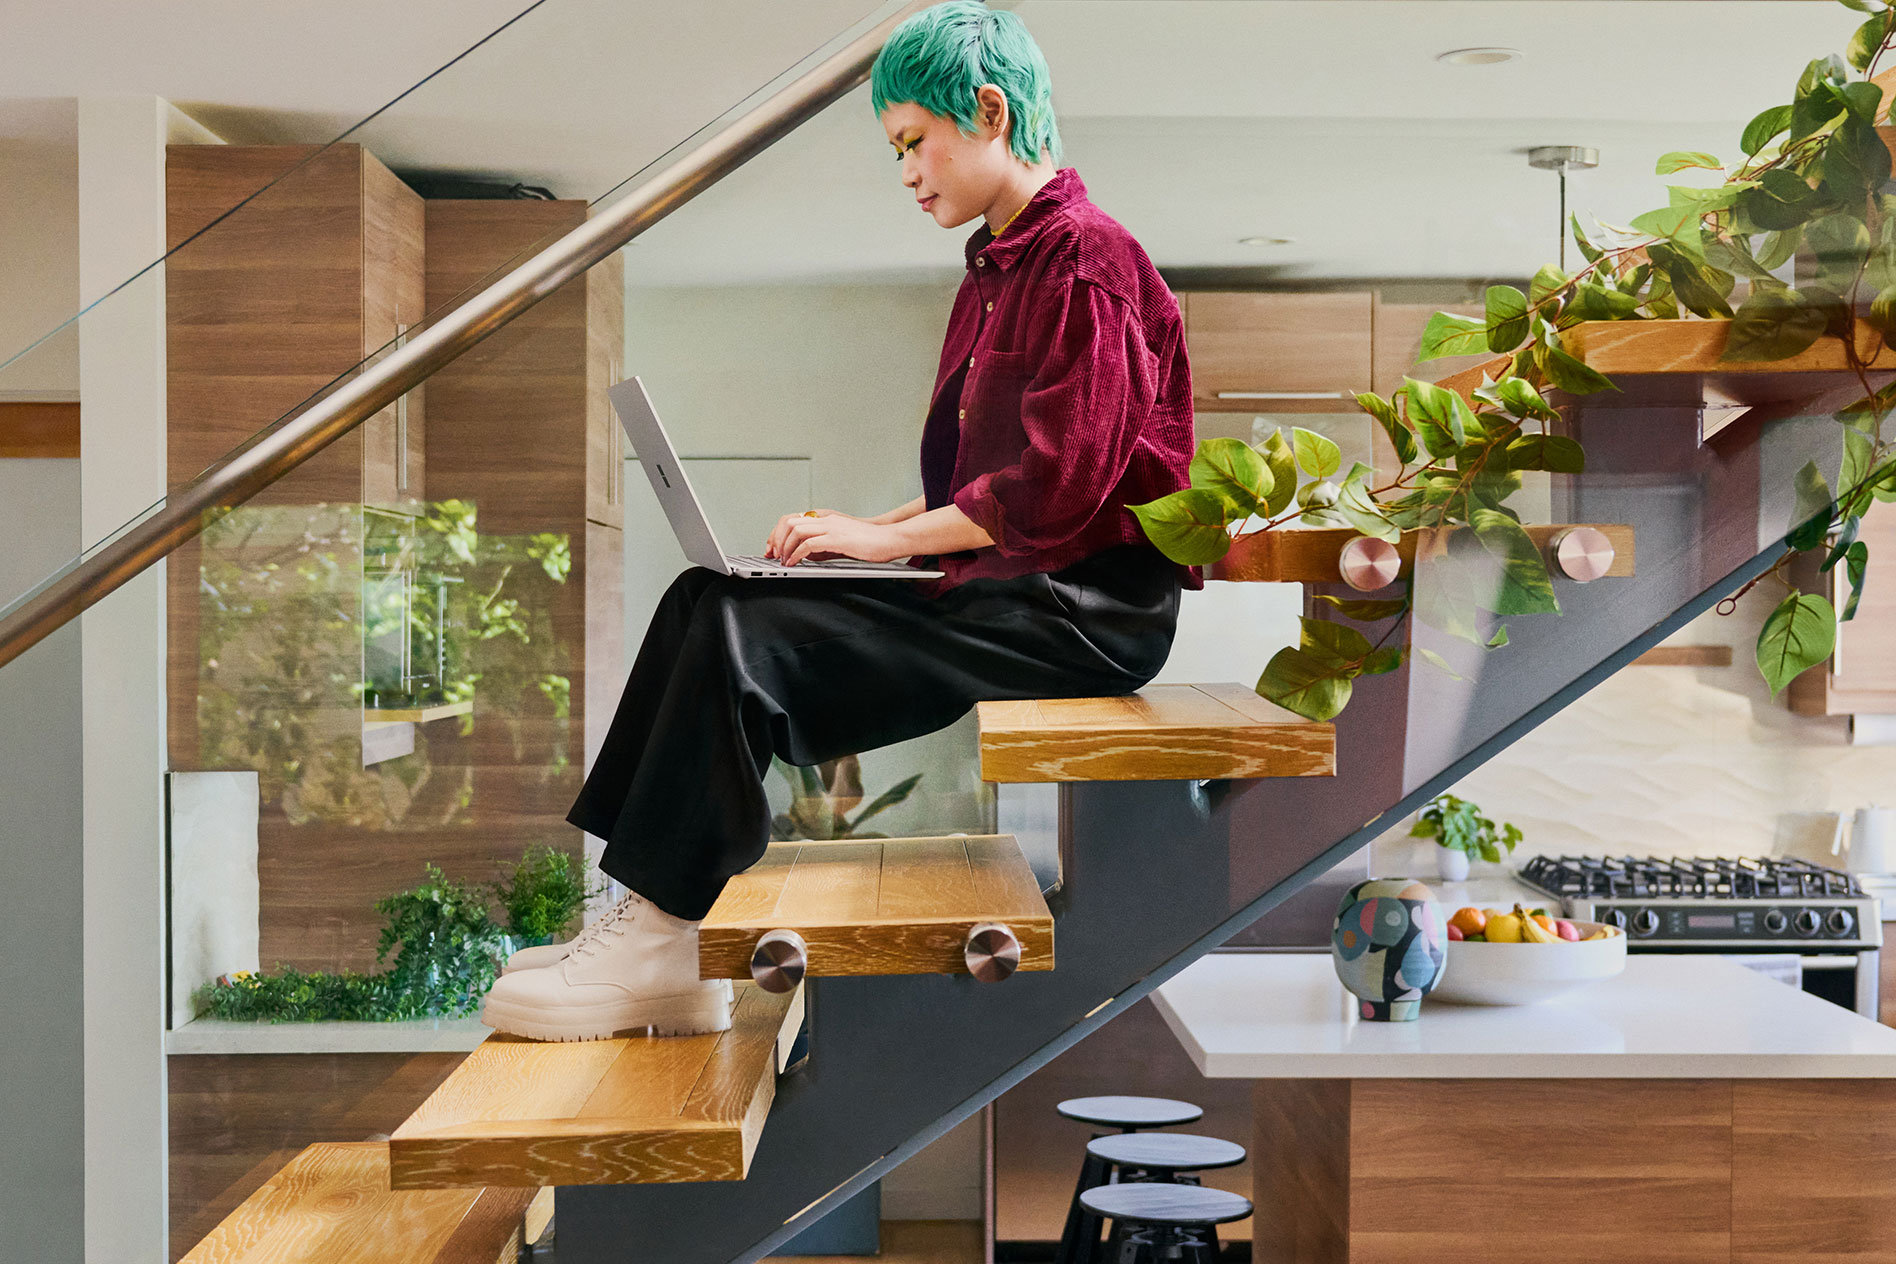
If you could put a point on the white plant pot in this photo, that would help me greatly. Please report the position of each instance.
(1451, 864)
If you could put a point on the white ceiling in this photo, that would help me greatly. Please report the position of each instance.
(1194, 121)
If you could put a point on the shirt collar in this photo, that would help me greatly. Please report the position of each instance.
(1041, 209)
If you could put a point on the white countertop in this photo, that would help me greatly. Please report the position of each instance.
(1281, 1015)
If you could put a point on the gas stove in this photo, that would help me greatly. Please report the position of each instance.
(1710, 903)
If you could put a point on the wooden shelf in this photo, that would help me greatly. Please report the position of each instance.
(416, 715)
(896, 906)
(333, 1202)
(1161, 733)
(629, 1110)
(1685, 656)
(1310, 556)
(1657, 362)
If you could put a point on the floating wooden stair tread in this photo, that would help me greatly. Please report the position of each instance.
(333, 1202)
(894, 906)
(602, 1112)
(1311, 556)
(1161, 733)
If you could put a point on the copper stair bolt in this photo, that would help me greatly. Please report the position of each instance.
(779, 961)
(1367, 563)
(992, 952)
(1583, 554)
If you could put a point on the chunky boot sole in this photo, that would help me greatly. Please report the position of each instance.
(686, 1014)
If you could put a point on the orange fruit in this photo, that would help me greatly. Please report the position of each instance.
(1546, 922)
(1469, 921)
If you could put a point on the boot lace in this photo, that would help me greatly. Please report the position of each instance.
(613, 923)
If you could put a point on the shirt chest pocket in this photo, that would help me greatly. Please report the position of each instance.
(991, 394)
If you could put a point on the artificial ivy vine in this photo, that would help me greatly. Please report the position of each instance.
(1813, 177)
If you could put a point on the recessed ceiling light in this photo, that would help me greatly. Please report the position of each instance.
(1266, 241)
(1478, 56)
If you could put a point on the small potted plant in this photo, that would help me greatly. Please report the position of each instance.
(1462, 832)
(544, 895)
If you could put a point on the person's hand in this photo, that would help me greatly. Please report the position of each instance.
(776, 545)
(834, 535)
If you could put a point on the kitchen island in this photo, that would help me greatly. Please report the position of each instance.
(1688, 1110)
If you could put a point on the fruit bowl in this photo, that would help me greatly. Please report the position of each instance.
(1523, 974)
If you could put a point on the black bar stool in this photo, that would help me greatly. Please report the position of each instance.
(1162, 1157)
(1129, 1115)
(1158, 1223)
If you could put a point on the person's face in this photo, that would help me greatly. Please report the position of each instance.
(954, 176)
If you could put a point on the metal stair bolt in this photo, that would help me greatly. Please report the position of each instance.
(992, 952)
(779, 961)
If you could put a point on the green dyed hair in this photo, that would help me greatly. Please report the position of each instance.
(943, 55)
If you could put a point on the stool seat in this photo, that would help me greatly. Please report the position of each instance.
(1130, 1112)
(1184, 1206)
(1166, 1151)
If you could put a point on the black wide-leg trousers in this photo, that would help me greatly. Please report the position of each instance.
(733, 671)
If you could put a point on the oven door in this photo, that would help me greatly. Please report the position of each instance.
(1848, 979)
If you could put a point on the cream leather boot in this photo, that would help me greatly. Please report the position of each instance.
(535, 957)
(634, 968)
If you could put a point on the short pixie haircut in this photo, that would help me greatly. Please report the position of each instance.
(940, 57)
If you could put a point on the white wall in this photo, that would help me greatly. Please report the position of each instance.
(39, 267)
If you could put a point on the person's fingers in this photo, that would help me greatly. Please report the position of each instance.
(779, 535)
(805, 539)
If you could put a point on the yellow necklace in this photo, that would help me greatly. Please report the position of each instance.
(1010, 219)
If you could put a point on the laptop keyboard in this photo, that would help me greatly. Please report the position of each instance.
(821, 564)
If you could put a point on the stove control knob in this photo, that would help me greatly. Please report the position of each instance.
(1806, 921)
(1615, 918)
(1840, 923)
(1645, 922)
(1775, 922)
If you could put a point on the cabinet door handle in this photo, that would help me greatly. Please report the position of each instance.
(1839, 593)
(1283, 395)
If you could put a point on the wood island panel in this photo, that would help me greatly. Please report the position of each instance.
(1811, 1171)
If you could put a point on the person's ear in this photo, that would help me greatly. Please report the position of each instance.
(990, 109)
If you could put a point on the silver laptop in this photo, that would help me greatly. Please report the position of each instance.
(654, 450)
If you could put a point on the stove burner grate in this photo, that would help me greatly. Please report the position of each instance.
(1737, 878)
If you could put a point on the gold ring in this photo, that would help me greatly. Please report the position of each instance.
(810, 513)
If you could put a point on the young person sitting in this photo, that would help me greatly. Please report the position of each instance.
(1062, 395)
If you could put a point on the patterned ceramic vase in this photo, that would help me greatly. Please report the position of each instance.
(1389, 944)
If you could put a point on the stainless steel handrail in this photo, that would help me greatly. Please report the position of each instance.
(252, 469)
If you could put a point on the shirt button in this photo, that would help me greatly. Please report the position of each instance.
(980, 261)
(990, 307)
(971, 362)
(962, 414)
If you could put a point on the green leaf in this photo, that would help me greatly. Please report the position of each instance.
(1384, 412)
(1772, 324)
(1862, 99)
(1731, 256)
(1363, 609)
(1548, 280)
(1317, 455)
(1362, 512)
(1679, 160)
(1301, 684)
(1780, 246)
(1526, 588)
(1187, 526)
(1855, 160)
(1283, 466)
(1447, 334)
(1846, 536)
(1856, 561)
(1798, 635)
(1436, 660)
(1863, 46)
(1573, 376)
(1499, 638)
(1437, 419)
(1332, 642)
(1862, 6)
(1553, 453)
(1782, 200)
(1588, 250)
(1233, 471)
(1518, 398)
(1882, 314)
(1447, 594)
(1759, 131)
(1810, 519)
(1691, 282)
(1507, 318)
(1382, 661)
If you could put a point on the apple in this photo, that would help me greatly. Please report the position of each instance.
(1567, 930)
(1455, 932)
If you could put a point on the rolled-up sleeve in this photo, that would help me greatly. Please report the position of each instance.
(1092, 387)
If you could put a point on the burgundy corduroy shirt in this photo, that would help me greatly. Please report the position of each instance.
(1063, 393)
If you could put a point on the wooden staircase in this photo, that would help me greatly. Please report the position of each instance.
(333, 1202)
(1161, 733)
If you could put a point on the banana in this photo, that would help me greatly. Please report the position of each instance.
(1532, 932)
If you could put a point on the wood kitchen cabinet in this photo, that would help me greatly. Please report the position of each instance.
(1860, 675)
(1278, 351)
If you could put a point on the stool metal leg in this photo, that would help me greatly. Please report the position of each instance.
(1079, 1240)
